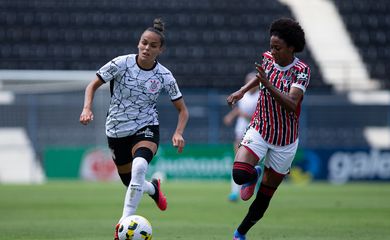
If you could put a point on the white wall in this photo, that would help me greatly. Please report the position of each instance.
(17, 158)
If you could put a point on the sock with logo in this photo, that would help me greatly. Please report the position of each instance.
(135, 190)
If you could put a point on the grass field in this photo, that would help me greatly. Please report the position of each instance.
(196, 210)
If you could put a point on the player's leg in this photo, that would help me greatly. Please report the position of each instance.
(234, 191)
(121, 154)
(246, 172)
(277, 165)
(149, 137)
(234, 187)
(142, 154)
(268, 186)
(153, 187)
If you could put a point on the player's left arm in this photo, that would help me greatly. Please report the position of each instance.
(177, 138)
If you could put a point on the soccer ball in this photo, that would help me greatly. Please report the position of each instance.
(135, 227)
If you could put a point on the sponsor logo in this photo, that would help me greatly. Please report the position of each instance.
(111, 71)
(344, 166)
(302, 76)
(147, 133)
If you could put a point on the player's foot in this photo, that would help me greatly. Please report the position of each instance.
(233, 197)
(248, 189)
(116, 232)
(238, 236)
(158, 195)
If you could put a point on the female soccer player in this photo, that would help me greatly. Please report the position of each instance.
(273, 131)
(243, 113)
(132, 125)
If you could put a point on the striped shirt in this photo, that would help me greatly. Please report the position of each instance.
(275, 124)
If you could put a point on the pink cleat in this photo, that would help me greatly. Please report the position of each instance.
(158, 196)
(248, 189)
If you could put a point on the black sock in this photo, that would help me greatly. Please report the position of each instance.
(257, 208)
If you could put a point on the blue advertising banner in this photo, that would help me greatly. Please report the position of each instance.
(343, 165)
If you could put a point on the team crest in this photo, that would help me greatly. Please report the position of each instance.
(286, 80)
(153, 85)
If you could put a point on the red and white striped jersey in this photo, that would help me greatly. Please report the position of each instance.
(275, 124)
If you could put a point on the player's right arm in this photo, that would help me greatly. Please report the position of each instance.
(237, 95)
(87, 114)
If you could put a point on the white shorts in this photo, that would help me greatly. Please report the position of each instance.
(279, 158)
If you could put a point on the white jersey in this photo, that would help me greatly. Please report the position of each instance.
(247, 105)
(134, 93)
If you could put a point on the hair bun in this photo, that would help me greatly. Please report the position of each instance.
(158, 24)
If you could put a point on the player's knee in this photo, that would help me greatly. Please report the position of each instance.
(243, 173)
(144, 153)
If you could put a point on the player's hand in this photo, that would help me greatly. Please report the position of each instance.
(261, 74)
(86, 116)
(178, 142)
(234, 97)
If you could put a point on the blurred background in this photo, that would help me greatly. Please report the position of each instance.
(50, 50)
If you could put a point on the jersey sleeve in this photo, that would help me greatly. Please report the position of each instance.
(303, 78)
(112, 69)
(170, 85)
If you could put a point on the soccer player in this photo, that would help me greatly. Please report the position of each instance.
(132, 125)
(273, 131)
(242, 113)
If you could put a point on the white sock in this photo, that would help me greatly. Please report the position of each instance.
(149, 188)
(135, 190)
(235, 188)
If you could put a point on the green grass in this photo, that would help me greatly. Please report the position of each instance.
(196, 210)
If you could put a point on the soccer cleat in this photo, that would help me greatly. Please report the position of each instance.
(248, 189)
(238, 236)
(158, 196)
(116, 237)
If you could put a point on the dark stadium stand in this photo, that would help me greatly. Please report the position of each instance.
(210, 43)
(369, 25)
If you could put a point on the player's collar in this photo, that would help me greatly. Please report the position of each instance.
(144, 69)
(280, 68)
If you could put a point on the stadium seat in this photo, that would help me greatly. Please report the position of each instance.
(201, 33)
(369, 25)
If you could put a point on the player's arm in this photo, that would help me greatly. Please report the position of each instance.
(230, 116)
(244, 115)
(289, 101)
(177, 138)
(237, 95)
(87, 114)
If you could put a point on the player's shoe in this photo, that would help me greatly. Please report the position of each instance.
(233, 197)
(158, 195)
(248, 189)
(116, 237)
(238, 236)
